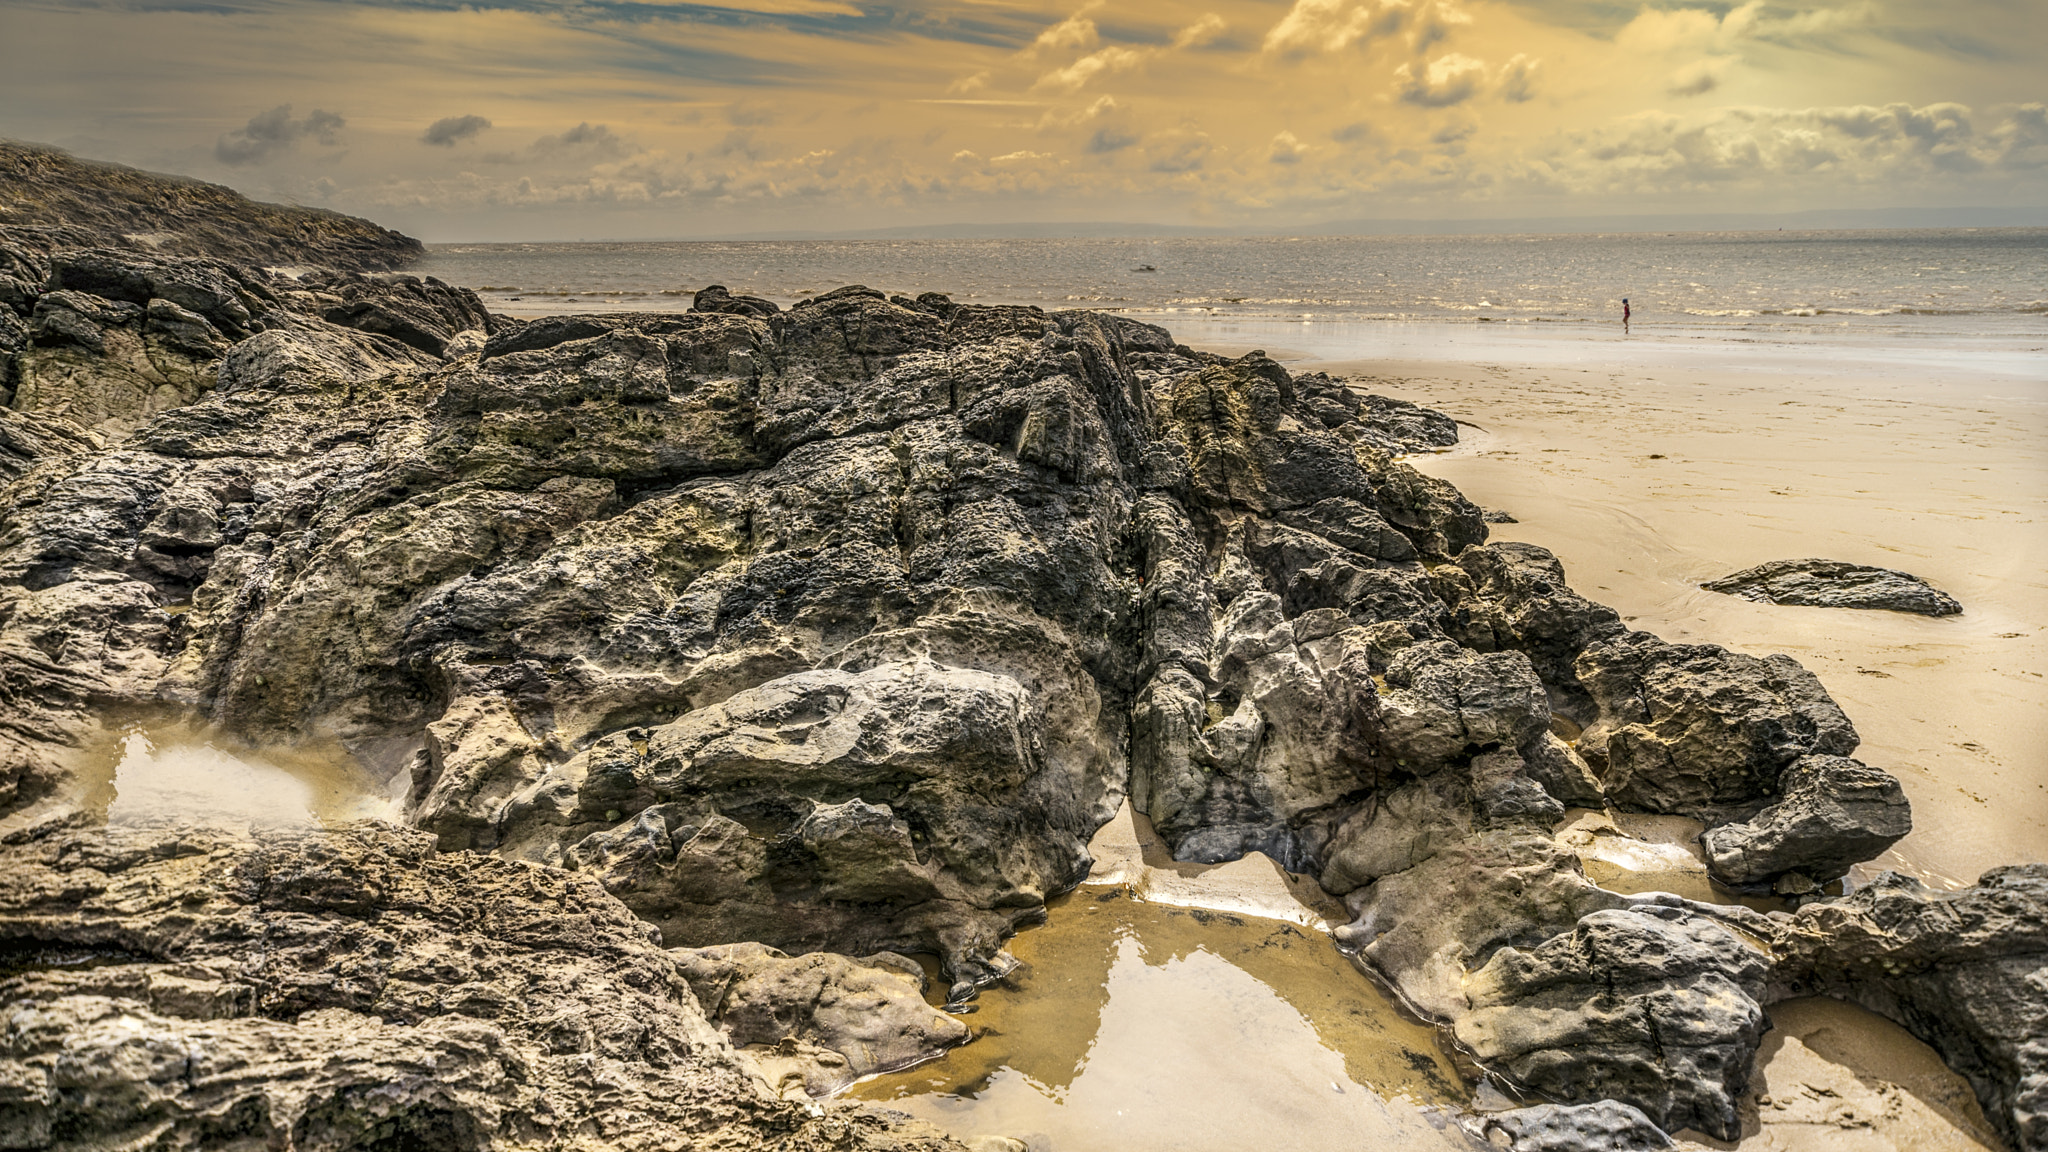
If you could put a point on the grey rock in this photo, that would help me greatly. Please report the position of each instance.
(1653, 1007)
(1606, 1126)
(1965, 971)
(1400, 426)
(421, 313)
(397, 998)
(819, 1022)
(1699, 730)
(1835, 584)
(1833, 813)
(57, 200)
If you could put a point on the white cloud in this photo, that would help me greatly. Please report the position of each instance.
(1076, 76)
(1449, 79)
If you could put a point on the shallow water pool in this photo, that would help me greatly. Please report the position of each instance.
(1135, 1026)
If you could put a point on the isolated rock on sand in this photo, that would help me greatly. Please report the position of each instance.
(1834, 584)
(352, 988)
(1834, 813)
(1609, 1126)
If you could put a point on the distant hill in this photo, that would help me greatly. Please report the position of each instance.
(75, 202)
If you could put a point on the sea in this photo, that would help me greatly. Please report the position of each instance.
(1977, 293)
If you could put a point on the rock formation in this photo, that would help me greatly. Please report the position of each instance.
(788, 636)
(1834, 584)
(53, 199)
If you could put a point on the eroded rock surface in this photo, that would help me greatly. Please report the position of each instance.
(181, 987)
(838, 630)
(1835, 584)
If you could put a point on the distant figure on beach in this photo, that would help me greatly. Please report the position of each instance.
(1624, 315)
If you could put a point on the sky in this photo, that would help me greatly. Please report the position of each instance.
(635, 119)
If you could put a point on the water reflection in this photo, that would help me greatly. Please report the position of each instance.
(1141, 1026)
(178, 771)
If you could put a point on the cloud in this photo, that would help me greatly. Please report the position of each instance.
(594, 139)
(1518, 79)
(1286, 149)
(1700, 77)
(1076, 33)
(1110, 140)
(1333, 25)
(269, 133)
(449, 129)
(1200, 33)
(1075, 76)
(1449, 79)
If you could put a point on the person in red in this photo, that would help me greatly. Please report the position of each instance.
(1624, 315)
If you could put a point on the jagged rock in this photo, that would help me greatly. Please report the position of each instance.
(1965, 971)
(852, 1018)
(841, 628)
(1834, 584)
(1699, 730)
(1399, 426)
(1654, 1007)
(717, 299)
(1608, 1126)
(968, 829)
(73, 203)
(1512, 596)
(420, 313)
(351, 989)
(1833, 813)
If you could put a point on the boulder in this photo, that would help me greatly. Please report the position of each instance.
(1832, 813)
(1607, 1126)
(835, 1018)
(1834, 584)
(1965, 971)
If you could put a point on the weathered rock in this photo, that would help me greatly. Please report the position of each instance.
(420, 313)
(1833, 813)
(1965, 971)
(84, 203)
(1835, 584)
(840, 629)
(1699, 730)
(202, 987)
(1400, 426)
(827, 1019)
(1651, 1006)
(717, 298)
(1608, 1126)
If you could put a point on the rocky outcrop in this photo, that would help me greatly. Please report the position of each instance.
(54, 199)
(838, 630)
(352, 988)
(1834, 584)
(1833, 812)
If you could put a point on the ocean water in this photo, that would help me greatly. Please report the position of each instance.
(1970, 285)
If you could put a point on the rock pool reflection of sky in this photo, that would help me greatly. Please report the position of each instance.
(1144, 1026)
(170, 772)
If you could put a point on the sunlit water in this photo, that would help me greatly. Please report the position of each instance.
(1916, 282)
(177, 772)
(1136, 1026)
